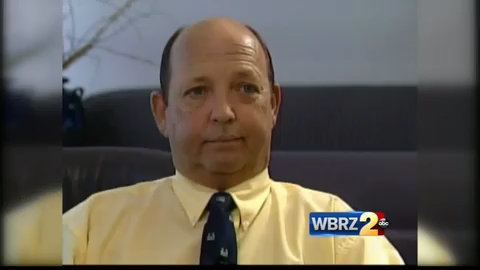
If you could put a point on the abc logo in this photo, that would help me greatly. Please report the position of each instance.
(383, 223)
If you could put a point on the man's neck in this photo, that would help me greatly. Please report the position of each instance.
(220, 181)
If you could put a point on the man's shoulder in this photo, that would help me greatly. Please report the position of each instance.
(135, 190)
(316, 200)
(299, 201)
(121, 197)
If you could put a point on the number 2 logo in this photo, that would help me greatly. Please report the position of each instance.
(367, 229)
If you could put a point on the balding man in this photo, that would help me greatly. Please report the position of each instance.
(217, 106)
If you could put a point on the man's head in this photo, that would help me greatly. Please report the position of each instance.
(219, 102)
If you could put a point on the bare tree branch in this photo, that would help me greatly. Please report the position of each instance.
(129, 23)
(131, 20)
(127, 55)
(91, 29)
(136, 9)
(96, 37)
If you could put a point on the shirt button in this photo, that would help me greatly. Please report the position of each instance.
(246, 223)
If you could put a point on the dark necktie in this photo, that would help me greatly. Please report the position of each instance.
(219, 242)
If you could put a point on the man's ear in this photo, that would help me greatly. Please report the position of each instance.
(275, 101)
(158, 106)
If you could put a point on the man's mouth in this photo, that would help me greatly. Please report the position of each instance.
(225, 140)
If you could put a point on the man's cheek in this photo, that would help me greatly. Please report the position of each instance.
(261, 116)
(262, 107)
(189, 133)
(255, 127)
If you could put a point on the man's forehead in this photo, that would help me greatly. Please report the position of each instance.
(216, 38)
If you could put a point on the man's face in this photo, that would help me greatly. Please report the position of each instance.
(221, 106)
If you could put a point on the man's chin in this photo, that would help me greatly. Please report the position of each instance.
(224, 166)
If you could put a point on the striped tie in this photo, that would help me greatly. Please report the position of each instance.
(219, 242)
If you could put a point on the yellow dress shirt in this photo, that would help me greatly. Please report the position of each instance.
(32, 231)
(161, 222)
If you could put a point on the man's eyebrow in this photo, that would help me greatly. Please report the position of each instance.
(195, 80)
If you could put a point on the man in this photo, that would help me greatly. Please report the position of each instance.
(218, 105)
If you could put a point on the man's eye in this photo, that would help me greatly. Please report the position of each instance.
(249, 88)
(195, 92)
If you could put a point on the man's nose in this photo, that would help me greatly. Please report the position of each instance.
(222, 111)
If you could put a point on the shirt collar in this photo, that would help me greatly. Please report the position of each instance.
(249, 196)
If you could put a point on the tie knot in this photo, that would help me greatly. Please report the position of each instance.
(222, 201)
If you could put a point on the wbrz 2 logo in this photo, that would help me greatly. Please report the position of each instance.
(347, 223)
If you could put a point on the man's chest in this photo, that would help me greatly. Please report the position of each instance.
(171, 239)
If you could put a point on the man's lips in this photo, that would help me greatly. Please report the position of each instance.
(225, 140)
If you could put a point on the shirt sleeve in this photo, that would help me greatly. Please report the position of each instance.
(363, 249)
